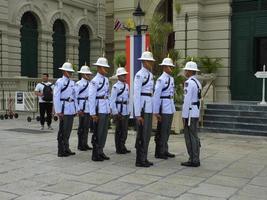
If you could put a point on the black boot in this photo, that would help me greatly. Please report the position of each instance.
(95, 154)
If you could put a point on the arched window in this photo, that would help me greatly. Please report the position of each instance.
(84, 45)
(59, 47)
(29, 45)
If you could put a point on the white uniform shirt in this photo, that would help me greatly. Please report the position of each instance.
(71, 106)
(191, 96)
(139, 100)
(83, 98)
(39, 88)
(119, 108)
(166, 82)
(103, 104)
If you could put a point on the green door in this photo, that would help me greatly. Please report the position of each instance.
(29, 45)
(249, 33)
(59, 47)
(84, 46)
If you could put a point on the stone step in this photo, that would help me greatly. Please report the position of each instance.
(235, 125)
(233, 131)
(224, 112)
(240, 107)
(242, 119)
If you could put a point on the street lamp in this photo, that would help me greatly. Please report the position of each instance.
(139, 18)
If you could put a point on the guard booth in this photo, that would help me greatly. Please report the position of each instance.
(248, 48)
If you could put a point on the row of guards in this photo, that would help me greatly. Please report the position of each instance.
(135, 45)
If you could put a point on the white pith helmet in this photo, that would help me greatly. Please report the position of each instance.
(102, 62)
(147, 55)
(85, 70)
(192, 66)
(121, 71)
(167, 62)
(67, 66)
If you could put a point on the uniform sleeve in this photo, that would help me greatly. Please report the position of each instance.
(113, 98)
(92, 97)
(188, 91)
(156, 97)
(56, 97)
(137, 94)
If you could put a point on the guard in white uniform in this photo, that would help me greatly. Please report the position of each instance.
(119, 103)
(190, 114)
(82, 92)
(143, 93)
(164, 108)
(66, 107)
(99, 109)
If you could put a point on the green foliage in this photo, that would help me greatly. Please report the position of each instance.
(209, 65)
(179, 79)
(178, 7)
(205, 63)
(75, 67)
(191, 58)
(159, 31)
(120, 60)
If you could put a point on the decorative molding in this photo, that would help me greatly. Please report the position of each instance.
(59, 14)
(29, 7)
(85, 21)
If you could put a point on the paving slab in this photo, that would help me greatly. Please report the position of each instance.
(214, 190)
(232, 167)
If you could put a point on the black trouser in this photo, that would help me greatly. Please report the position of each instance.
(192, 140)
(45, 108)
(162, 134)
(65, 128)
(100, 134)
(83, 129)
(143, 138)
(121, 132)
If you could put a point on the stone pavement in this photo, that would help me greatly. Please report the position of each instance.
(233, 167)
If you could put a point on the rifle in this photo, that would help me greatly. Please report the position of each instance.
(139, 138)
(157, 135)
(95, 126)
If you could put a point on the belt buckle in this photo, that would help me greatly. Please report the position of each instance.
(69, 100)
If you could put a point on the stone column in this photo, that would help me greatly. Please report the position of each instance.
(45, 53)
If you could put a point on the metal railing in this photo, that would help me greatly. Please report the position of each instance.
(10, 85)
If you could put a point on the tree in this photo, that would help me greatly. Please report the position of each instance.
(159, 32)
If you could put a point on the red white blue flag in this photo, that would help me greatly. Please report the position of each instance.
(135, 46)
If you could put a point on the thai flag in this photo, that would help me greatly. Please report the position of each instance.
(117, 25)
(135, 46)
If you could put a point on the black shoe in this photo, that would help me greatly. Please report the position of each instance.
(142, 164)
(104, 156)
(170, 155)
(87, 147)
(127, 151)
(82, 149)
(97, 158)
(150, 163)
(120, 152)
(161, 156)
(62, 154)
(71, 153)
(187, 164)
(197, 164)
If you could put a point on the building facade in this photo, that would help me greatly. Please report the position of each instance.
(38, 36)
(233, 30)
